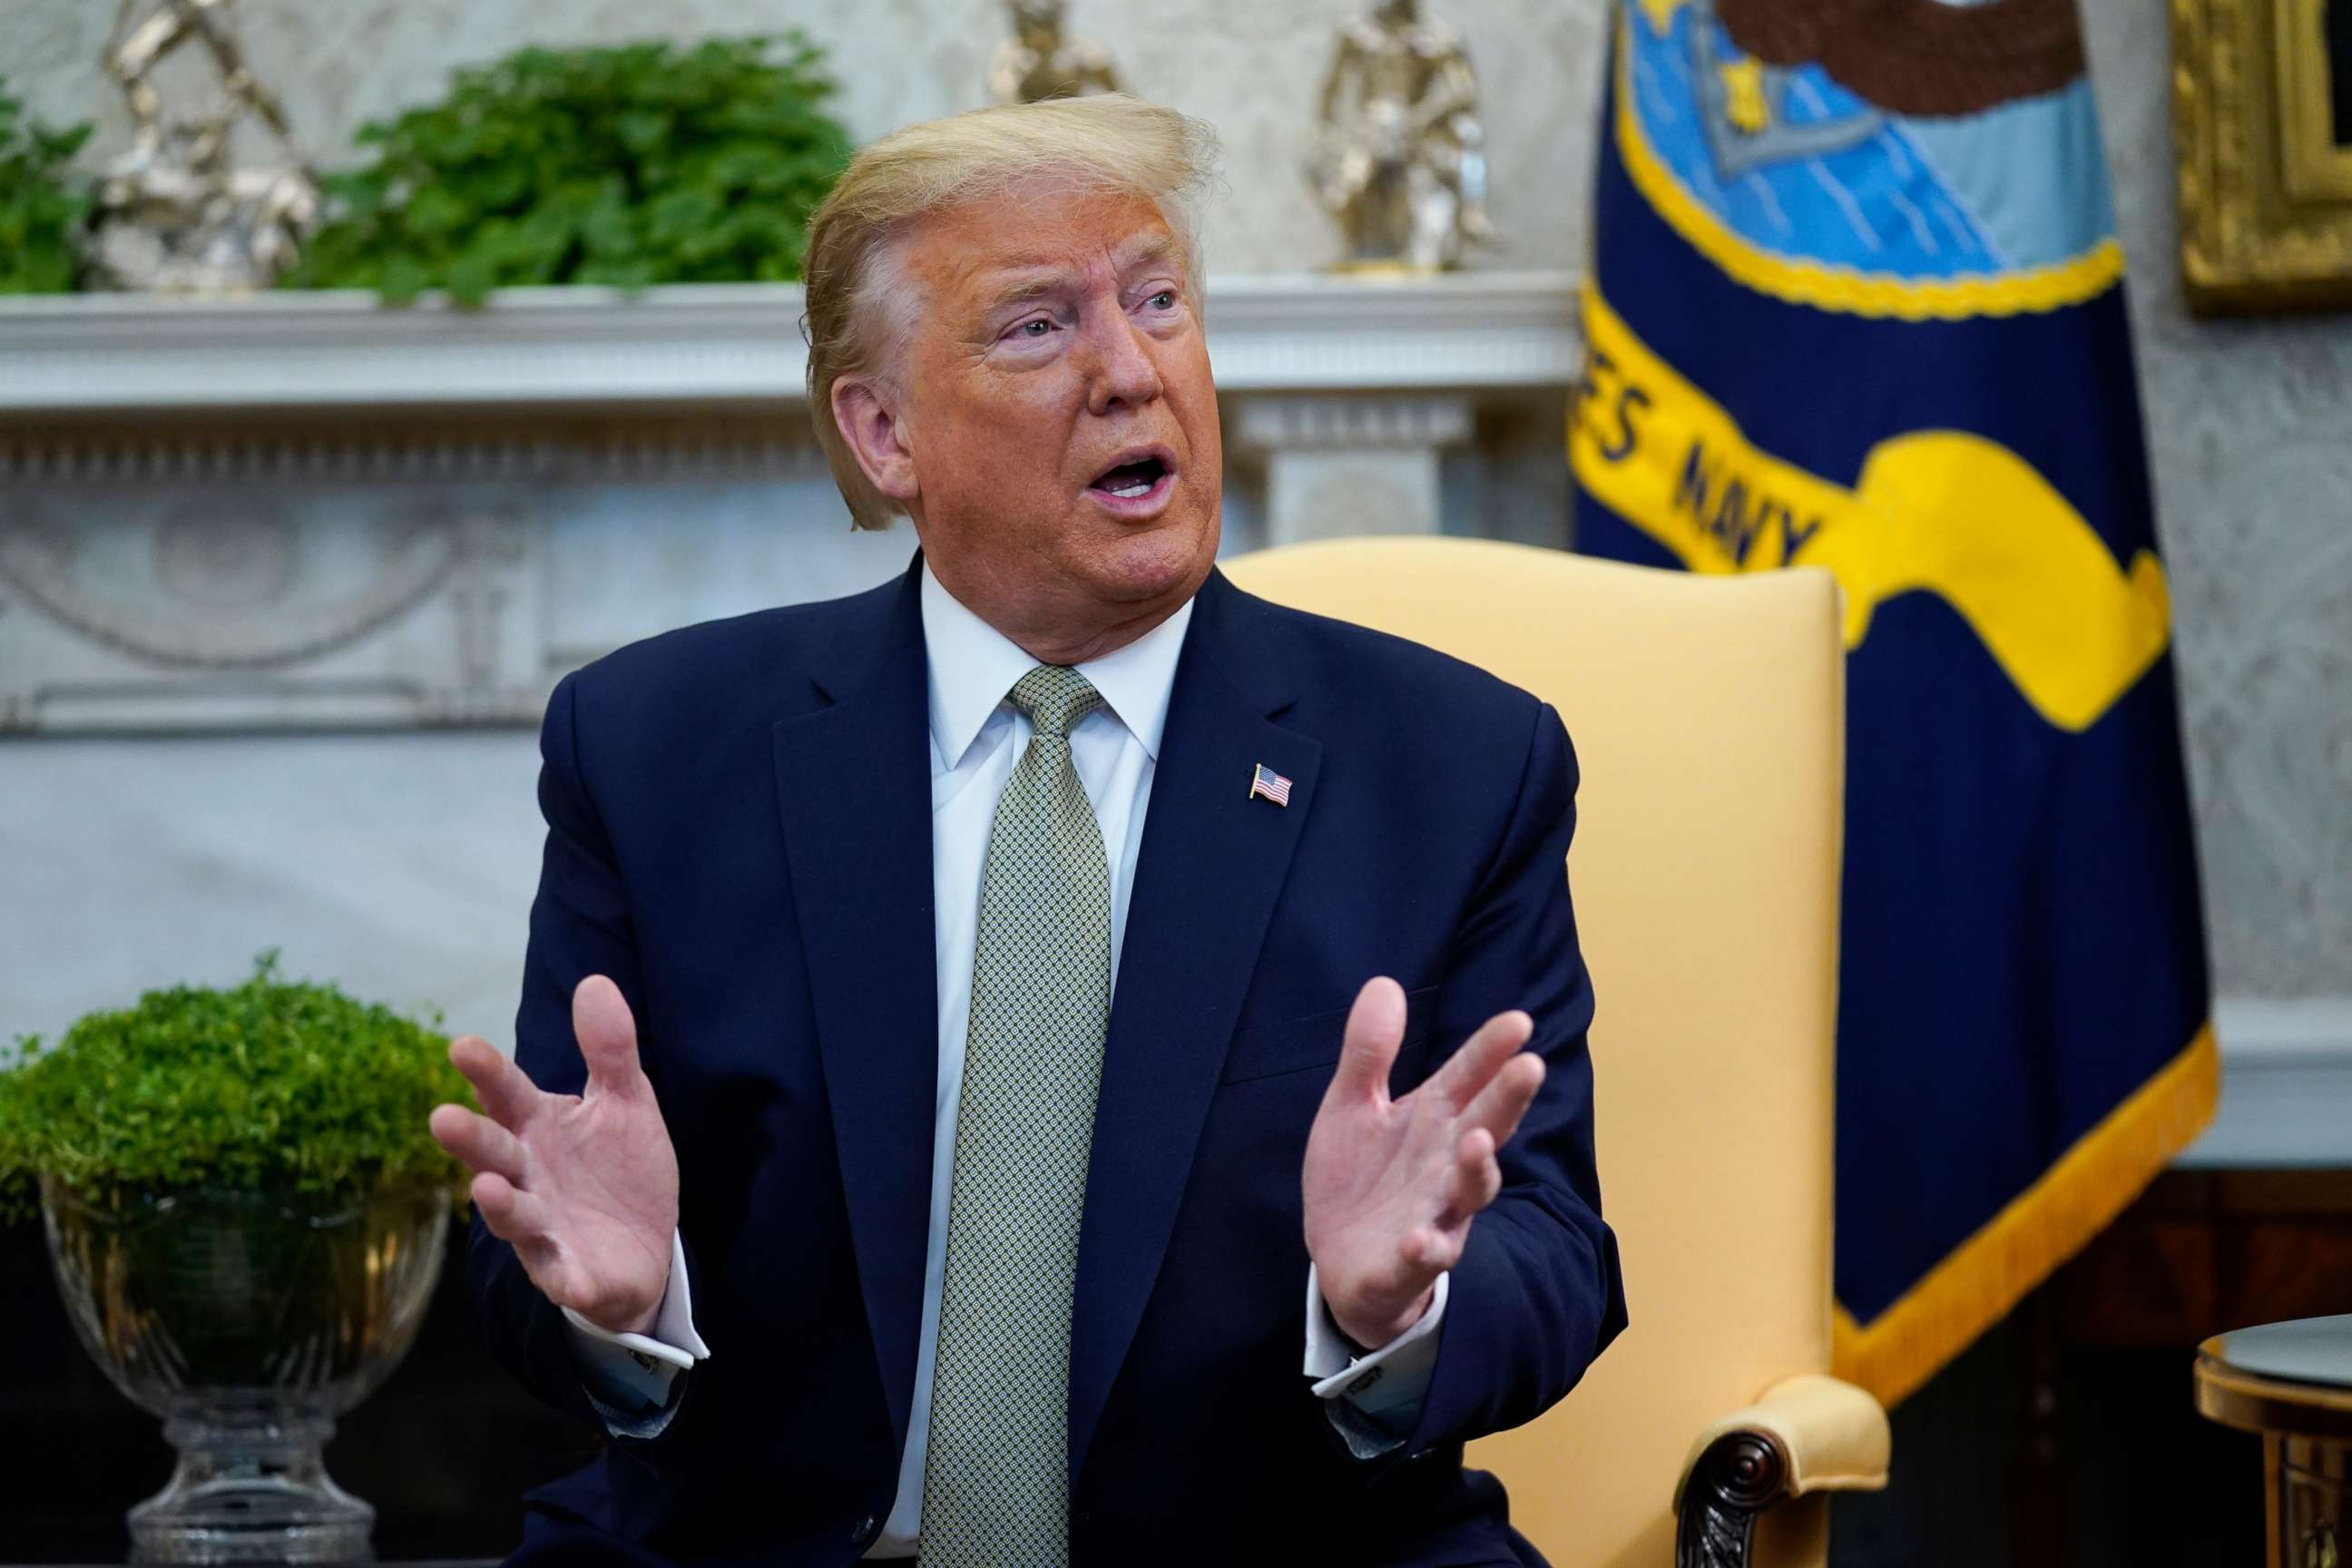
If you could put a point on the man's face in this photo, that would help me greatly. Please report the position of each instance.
(1056, 412)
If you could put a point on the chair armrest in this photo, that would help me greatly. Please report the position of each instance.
(1808, 1434)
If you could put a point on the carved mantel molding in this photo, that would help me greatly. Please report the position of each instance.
(297, 510)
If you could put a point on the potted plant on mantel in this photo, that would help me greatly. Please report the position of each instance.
(626, 166)
(245, 1215)
(41, 209)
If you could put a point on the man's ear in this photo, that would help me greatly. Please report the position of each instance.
(870, 424)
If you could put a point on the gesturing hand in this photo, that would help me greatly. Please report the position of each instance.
(584, 1185)
(1391, 1186)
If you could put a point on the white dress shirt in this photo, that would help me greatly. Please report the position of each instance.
(977, 735)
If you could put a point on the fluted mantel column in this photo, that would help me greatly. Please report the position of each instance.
(1347, 463)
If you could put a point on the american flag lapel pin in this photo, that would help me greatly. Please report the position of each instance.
(1266, 783)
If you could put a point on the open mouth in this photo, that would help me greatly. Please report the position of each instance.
(1132, 481)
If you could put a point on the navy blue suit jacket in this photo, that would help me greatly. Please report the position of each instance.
(739, 834)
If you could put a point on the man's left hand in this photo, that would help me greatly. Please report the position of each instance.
(1391, 1186)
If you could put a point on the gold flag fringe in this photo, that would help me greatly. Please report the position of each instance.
(1974, 1287)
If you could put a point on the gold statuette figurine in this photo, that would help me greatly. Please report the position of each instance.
(1402, 163)
(1039, 61)
(172, 211)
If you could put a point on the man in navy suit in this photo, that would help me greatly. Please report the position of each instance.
(1093, 1062)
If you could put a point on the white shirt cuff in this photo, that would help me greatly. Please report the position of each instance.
(644, 1364)
(1385, 1383)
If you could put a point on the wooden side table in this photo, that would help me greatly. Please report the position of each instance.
(2290, 1382)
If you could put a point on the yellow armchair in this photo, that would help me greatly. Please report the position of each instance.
(1708, 719)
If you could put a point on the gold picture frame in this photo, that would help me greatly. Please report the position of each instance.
(2265, 170)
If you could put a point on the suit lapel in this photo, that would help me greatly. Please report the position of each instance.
(853, 783)
(1212, 864)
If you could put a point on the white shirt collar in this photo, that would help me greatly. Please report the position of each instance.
(974, 667)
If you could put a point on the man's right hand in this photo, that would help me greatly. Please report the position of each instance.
(583, 1185)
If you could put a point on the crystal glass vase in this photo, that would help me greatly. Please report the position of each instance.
(248, 1322)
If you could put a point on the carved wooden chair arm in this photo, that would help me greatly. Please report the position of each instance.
(1806, 1434)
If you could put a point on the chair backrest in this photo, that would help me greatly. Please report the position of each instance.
(1708, 717)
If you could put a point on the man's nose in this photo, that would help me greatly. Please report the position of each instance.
(1123, 371)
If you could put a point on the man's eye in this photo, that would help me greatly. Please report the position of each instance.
(1163, 300)
(1035, 327)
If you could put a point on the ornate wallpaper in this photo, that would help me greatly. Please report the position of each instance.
(2250, 428)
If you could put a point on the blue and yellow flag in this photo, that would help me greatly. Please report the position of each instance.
(1856, 302)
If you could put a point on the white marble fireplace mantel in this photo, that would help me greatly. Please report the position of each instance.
(303, 511)
(703, 343)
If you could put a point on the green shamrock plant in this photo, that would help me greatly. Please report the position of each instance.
(270, 1086)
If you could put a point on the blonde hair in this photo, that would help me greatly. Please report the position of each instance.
(859, 308)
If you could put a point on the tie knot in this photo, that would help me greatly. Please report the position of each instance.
(1055, 697)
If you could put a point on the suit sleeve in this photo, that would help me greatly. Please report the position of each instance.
(1536, 1294)
(635, 1380)
(580, 925)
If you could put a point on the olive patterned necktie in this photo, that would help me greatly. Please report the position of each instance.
(995, 1476)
